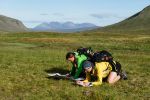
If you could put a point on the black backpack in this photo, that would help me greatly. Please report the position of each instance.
(105, 56)
(102, 56)
(85, 51)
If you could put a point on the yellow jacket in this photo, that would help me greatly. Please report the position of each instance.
(100, 71)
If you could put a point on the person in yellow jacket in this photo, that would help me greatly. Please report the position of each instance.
(96, 74)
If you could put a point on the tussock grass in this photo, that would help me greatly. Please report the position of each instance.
(49, 40)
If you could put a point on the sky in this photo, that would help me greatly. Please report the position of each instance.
(98, 12)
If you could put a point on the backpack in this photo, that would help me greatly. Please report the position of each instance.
(105, 56)
(102, 56)
(88, 52)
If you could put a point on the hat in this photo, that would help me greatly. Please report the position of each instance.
(87, 64)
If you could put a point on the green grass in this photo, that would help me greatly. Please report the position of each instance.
(26, 58)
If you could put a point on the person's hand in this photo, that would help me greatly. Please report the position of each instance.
(79, 83)
(71, 78)
(84, 84)
(68, 76)
(87, 84)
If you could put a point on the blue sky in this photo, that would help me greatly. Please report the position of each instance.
(99, 12)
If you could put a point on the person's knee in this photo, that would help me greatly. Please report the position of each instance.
(111, 77)
(110, 81)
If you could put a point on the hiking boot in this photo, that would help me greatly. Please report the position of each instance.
(123, 75)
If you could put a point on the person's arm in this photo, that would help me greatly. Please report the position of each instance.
(73, 70)
(88, 77)
(79, 65)
(79, 69)
(99, 76)
(86, 82)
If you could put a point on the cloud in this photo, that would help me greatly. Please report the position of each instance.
(105, 15)
(58, 14)
(44, 14)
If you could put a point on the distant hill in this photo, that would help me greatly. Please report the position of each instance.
(138, 22)
(11, 25)
(64, 27)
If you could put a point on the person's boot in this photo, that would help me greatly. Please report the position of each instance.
(123, 75)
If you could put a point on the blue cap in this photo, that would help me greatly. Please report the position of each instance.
(87, 64)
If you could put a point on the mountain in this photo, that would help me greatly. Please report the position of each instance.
(11, 25)
(64, 27)
(138, 22)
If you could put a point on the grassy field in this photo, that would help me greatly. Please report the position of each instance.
(26, 58)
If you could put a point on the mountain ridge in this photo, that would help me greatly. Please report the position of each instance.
(64, 27)
(9, 24)
(137, 22)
